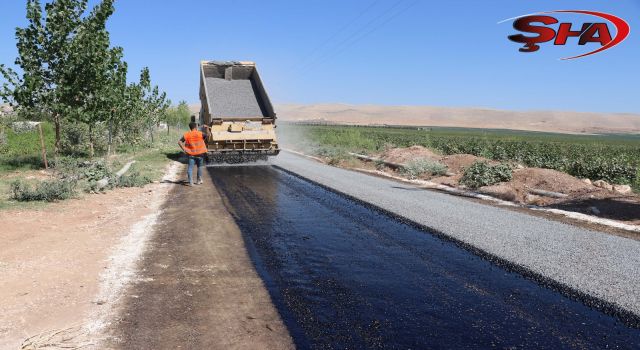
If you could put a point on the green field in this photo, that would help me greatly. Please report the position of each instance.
(613, 158)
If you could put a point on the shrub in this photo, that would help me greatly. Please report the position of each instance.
(422, 166)
(49, 191)
(481, 174)
(334, 155)
(3, 138)
(134, 179)
(91, 171)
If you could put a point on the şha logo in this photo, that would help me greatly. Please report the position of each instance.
(589, 32)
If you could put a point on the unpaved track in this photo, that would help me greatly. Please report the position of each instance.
(197, 288)
(347, 277)
(51, 259)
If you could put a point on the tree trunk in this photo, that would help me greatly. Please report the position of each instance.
(151, 131)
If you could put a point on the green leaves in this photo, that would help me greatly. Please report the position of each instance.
(180, 115)
(70, 71)
(481, 174)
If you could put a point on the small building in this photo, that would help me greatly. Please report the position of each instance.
(5, 109)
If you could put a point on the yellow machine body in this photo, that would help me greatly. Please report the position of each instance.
(236, 112)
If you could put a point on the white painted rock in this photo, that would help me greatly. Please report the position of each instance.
(622, 189)
(603, 184)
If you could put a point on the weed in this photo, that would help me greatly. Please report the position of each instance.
(334, 155)
(421, 166)
(133, 179)
(49, 191)
(481, 174)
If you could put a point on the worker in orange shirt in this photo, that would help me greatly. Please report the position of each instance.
(193, 144)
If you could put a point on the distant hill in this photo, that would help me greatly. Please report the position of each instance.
(547, 121)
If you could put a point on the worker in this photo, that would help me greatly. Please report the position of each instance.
(193, 144)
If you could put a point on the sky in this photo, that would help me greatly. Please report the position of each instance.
(388, 52)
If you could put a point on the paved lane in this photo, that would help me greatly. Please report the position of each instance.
(588, 262)
(344, 276)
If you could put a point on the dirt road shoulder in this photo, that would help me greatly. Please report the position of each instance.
(51, 259)
(197, 286)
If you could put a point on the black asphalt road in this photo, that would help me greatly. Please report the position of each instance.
(346, 277)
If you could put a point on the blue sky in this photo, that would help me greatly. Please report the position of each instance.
(390, 52)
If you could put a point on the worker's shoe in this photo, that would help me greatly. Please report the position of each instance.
(199, 182)
(190, 184)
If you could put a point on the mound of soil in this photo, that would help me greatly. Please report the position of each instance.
(458, 162)
(404, 155)
(550, 180)
(547, 180)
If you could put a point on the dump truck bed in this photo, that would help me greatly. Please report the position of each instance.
(232, 98)
(237, 111)
(233, 91)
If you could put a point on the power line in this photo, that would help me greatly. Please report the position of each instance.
(336, 33)
(356, 39)
(345, 43)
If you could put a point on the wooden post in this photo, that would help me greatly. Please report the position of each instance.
(110, 137)
(44, 150)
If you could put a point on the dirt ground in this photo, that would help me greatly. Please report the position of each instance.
(74, 271)
(581, 196)
(51, 259)
(197, 287)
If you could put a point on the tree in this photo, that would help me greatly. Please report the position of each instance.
(154, 103)
(50, 54)
(179, 115)
(70, 71)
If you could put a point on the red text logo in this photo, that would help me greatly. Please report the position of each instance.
(598, 33)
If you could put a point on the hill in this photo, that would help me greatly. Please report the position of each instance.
(548, 121)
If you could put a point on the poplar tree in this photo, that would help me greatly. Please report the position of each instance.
(70, 71)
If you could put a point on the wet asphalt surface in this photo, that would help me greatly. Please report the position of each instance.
(344, 276)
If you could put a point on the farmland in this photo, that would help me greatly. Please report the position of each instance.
(614, 157)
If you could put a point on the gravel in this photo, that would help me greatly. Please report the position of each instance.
(232, 98)
(589, 265)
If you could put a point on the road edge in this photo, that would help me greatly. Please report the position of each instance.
(123, 262)
(484, 197)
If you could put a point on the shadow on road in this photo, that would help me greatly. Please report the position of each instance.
(177, 156)
(617, 208)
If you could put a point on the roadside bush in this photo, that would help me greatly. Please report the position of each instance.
(481, 174)
(134, 179)
(422, 166)
(49, 191)
(334, 154)
(89, 170)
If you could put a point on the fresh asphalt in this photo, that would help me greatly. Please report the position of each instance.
(345, 275)
(584, 263)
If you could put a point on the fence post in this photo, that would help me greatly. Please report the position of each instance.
(44, 150)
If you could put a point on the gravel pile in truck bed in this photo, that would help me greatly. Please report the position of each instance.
(232, 98)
